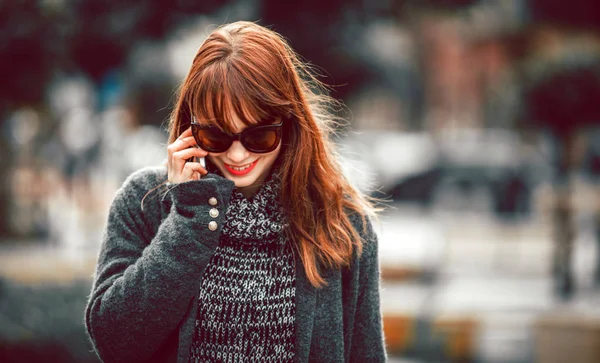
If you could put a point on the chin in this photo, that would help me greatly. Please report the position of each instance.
(241, 183)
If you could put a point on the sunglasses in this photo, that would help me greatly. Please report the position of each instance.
(257, 139)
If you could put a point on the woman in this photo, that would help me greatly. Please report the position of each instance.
(263, 254)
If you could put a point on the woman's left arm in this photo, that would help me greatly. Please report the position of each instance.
(367, 341)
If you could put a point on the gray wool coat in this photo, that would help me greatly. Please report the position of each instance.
(145, 293)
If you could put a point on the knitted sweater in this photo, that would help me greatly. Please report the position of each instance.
(143, 302)
(247, 296)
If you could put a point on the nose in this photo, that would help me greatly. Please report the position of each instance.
(237, 153)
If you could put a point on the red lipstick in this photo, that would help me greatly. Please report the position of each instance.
(240, 172)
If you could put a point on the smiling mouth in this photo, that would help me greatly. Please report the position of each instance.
(242, 169)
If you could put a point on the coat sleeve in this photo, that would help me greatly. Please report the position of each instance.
(146, 275)
(368, 342)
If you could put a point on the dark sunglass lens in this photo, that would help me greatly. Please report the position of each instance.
(212, 139)
(261, 140)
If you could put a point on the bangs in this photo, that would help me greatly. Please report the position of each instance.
(220, 92)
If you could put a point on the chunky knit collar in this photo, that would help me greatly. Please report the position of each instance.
(257, 221)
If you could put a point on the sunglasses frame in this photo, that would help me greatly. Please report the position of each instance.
(239, 136)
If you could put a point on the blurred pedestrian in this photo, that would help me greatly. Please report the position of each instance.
(249, 245)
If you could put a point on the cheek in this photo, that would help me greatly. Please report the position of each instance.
(273, 156)
(215, 158)
(216, 162)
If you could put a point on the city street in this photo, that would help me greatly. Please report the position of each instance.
(439, 268)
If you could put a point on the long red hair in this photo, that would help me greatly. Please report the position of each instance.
(250, 71)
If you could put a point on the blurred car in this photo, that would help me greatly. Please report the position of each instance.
(388, 163)
(495, 162)
(467, 165)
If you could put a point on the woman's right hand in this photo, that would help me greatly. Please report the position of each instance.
(178, 168)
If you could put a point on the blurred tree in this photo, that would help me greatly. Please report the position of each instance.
(105, 31)
(4, 194)
(567, 99)
(108, 29)
(580, 14)
(447, 4)
(315, 28)
(564, 101)
(25, 65)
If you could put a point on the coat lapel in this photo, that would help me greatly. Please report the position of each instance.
(305, 312)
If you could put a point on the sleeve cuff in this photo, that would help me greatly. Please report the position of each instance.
(187, 197)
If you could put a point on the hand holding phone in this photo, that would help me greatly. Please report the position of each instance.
(180, 152)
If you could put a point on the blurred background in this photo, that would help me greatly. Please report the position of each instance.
(478, 122)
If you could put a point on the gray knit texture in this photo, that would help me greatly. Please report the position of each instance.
(144, 299)
(246, 306)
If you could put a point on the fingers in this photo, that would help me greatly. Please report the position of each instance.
(193, 171)
(188, 153)
(186, 133)
(182, 149)
(180, 158)
(186, 137)
(184, 171)
(178, 145)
